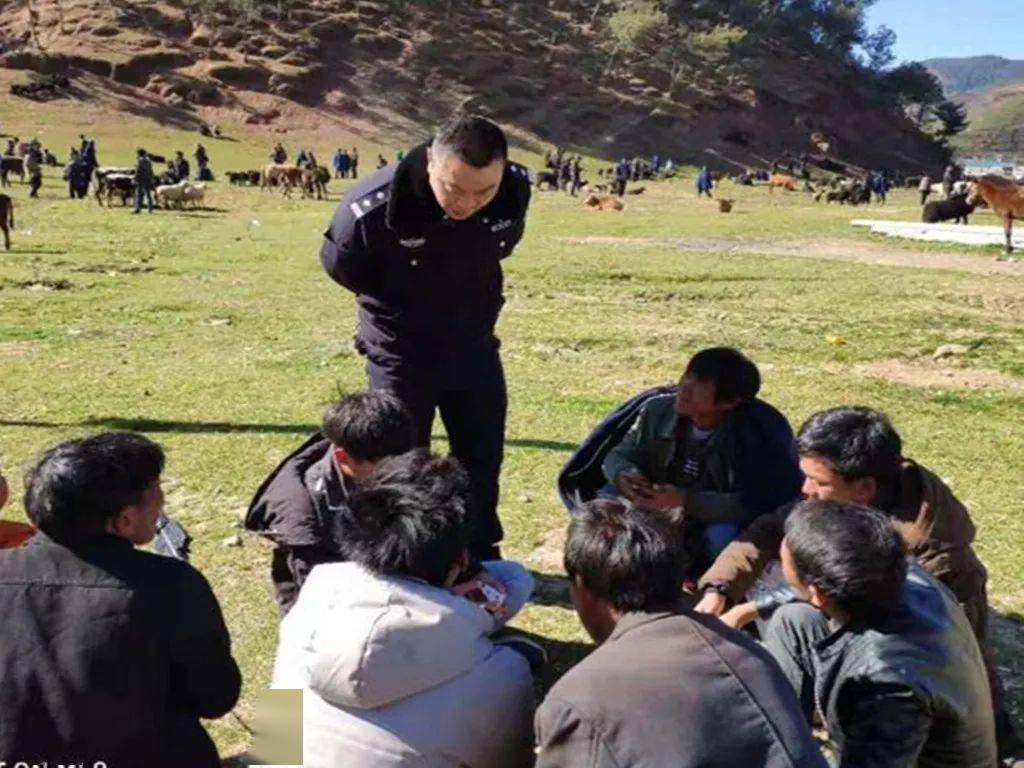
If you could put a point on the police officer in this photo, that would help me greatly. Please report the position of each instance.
(420, 243)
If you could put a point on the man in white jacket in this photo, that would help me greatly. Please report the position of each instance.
(395, 668)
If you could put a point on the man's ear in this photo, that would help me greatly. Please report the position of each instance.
(816, 597)
(123, 522)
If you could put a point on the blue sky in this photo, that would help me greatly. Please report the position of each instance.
(928, 29)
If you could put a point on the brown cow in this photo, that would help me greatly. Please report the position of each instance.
(603, 203)
(6, 219)
(781, 180)
(1004, 197)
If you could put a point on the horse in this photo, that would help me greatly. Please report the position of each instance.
(1004, 197)
(783, 181)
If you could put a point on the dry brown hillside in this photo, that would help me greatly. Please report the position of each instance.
(396, 67)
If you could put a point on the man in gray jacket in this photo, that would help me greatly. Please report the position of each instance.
(666, 687)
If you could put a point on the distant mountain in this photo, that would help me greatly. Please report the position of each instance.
(975, 73)
(992, 89)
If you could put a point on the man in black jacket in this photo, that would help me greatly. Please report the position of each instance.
(420, 243)
(107, 653)
(298, 505)
(880, 648)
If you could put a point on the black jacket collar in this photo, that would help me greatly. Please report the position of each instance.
(412, 207)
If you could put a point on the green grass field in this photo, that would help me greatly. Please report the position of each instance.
(216, 333)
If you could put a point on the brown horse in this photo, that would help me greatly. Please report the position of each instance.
(1004, 197)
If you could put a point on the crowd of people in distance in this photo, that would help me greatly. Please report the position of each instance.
(737, 579)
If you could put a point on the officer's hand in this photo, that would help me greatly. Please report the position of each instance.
(712, 603)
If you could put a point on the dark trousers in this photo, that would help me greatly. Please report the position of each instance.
(473, 404)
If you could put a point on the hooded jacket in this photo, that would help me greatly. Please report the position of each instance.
(396, 672)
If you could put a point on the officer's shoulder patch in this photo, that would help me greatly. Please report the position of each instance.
(370, 201)
(519, 171)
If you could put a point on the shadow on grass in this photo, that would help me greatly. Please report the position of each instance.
(563, 655)
(142, 424)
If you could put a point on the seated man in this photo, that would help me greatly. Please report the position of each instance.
(296, 506)
(853, 454)
(395, 668)
(665, 687)
(711, 452)
(108, 653)
(881, 649)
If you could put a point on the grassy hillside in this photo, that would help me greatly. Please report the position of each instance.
(216, 333)
(725, 88)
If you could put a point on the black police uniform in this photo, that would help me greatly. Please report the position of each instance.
(429, 291)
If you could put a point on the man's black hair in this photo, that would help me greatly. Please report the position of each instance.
(78, 486)
(410, 518)
(370, 425)
(852, 553)
(858, 442)
(624, 555)
(476, 140)
(734, 375)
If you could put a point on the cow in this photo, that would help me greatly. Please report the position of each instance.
(10, 164)
(1004, 197)
(117, 185)
(241, 178)
(550, 178)
(783, 181)
(6, 219)
(274, 173)
(603, 203)
(955, 207)
(104, 189)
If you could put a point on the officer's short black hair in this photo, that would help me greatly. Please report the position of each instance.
(624, 555)
(852, 553)
(476, 140)
(410, 518)
(734, 375)
(369, 425)
(76, 487)
(857, 441)
(140, 152)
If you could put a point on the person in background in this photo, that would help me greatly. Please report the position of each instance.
(144, 181)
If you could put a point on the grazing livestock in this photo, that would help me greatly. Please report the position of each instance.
(783, 181)
(725, 205)
(242, 178)
(176, 195)
(117, 185)
(548, 178)
(603, 203)
(314, 180)
(9, 165)
(6, 219)
(1004, 197)
(104, 189)
(956, 207)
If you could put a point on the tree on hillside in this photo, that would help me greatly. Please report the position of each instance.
(915, 89)
(951, 118)
(877, 49)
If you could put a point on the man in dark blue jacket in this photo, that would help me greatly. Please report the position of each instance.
(420, 243)
(107, 653)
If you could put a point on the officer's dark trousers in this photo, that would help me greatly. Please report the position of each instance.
(473, 402)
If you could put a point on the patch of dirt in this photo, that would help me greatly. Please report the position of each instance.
(835, 249)
(18, 348)
(547, 556)
(928, 373)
